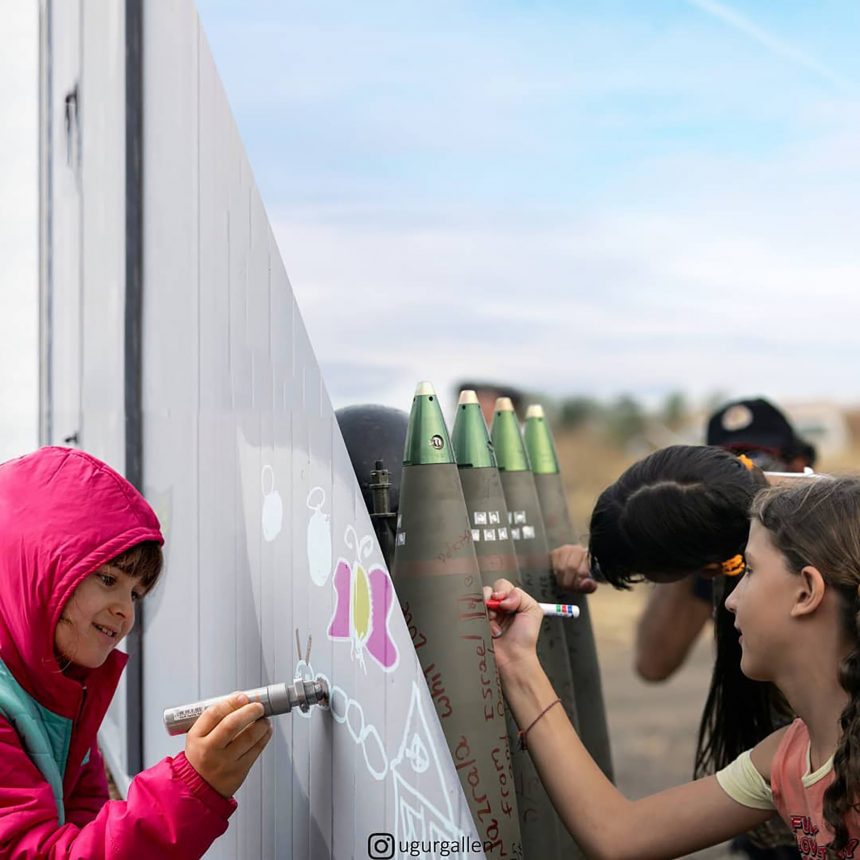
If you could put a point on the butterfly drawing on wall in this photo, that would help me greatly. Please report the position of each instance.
(364, 599)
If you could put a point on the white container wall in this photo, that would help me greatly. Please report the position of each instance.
(272, 565)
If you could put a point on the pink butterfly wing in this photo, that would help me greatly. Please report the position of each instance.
(339, 626)
(379, 643)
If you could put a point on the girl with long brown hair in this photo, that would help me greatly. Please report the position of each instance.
(796, 608)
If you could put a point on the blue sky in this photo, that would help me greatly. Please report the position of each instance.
(581, 197)
(577, 197)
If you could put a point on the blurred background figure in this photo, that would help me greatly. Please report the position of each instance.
(759, 430)
(488, 393)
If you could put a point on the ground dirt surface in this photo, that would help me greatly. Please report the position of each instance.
(652, 727)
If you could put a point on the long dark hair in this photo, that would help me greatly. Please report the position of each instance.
(818, 524)
(738, 712)
(671, 514)
(667, 517)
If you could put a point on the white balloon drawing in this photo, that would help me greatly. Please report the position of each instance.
(319, 538)
(273, 506)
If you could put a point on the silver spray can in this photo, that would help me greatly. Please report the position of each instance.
(275, 699)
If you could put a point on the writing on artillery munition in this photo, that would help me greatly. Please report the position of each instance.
(488, 822)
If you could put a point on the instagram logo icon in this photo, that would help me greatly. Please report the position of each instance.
(380, 846)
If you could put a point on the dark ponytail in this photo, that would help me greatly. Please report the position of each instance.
(671, 514)
(738, 712)
(841, 797)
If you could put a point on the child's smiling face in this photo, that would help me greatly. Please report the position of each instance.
(97, 617)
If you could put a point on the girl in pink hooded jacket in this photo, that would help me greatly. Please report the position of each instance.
(78, 547)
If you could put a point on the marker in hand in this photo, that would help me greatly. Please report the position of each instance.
(562, 610)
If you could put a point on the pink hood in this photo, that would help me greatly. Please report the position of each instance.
(63, 514)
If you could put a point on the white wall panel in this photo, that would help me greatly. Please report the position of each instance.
(266, 530)
(102, 266)
(102, 132)
(83, 222)
(65, 157)
(171, 393)
(272, 470)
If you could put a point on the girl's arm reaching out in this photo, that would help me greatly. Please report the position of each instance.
(606, 824)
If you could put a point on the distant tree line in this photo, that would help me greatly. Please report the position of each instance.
(625, 420)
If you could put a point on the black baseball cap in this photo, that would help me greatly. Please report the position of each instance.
(753, 425)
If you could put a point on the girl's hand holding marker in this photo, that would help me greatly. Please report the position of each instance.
(226, 741)
(515, 620)
(553, 610)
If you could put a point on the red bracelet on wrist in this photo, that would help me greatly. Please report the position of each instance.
(523, 732)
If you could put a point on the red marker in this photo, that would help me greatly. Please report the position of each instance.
(563, 610)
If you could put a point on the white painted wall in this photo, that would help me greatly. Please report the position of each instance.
(19, 228)
(266, 528)
(244, 462)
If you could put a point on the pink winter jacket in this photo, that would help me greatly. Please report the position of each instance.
(62, 515)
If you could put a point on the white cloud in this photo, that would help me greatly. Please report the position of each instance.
(742, 279)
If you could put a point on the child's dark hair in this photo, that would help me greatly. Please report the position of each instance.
(818, 524)
(143, 561)
(672, 513)
(667, 517)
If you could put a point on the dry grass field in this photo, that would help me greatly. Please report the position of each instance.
(652, 727)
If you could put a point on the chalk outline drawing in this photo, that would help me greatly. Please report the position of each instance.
(416, 748)
(410, 819)
(341, 714)
(377, 590)
(319, 539)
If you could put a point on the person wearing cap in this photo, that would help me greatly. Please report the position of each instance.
(761, 431)
(676, 612)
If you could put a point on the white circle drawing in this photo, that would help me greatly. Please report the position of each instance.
(339, 703)
(267, 470)
(273, 506)
(319, 538)
(356, 723)
(347, 710)
(417, 755)
(377, 771)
